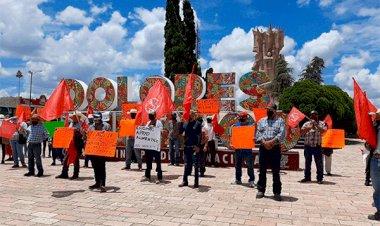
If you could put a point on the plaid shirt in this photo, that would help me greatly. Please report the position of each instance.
(313, 137)
(37, 134)
(267, 129)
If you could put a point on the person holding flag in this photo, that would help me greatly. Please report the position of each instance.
(270, 133)
(312, 131)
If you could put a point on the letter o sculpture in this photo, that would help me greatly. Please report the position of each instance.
(102, 94)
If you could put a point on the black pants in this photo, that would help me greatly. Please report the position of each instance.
(3, 146)
(150, 154)
(99, 165)
(272, 157)
(368, 167)
(65, 167)
(212, 150)
(44, 147)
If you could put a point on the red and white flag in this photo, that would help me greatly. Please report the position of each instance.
(328, 121)
(295, 117)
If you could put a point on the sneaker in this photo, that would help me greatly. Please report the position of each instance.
(144, 178)
(367, 183)
(61, 176)
(15, 166)
(328, 174)
(237, 182)
(252, 184)
(278, 197)
(375, 217)
(304, 180)
(103, 189)
(183, 184)
(29, 174)
(260, 195)
(95, 186)
(320, 182)
(159, 181)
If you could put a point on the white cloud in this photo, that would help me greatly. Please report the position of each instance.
(325, 3)
(96, 10)
(289, 45)
(302, 3)
(74, 16)
(4, 93)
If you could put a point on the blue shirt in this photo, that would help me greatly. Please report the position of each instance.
(37, 134)
(239, 124)
(267, 129)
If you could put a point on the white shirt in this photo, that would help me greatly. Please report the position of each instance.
(210, 131)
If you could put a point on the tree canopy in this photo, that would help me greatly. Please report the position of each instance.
(282, 79)
(309, 95)
(313, 70)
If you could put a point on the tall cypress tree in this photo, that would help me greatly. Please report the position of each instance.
(313, 70)
(190, 37)
(175, 47)
(283, 78)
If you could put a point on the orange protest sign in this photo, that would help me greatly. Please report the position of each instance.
(127, 128)
(243, 137)
(101, 143)
(333, 138)
(25, 109)
(126, 108)
(63, 137)
(259, 113)
(7, 129)
(208, 106)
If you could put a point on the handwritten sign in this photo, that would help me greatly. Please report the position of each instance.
(333, 138)
(51, 126)
(259, 113)
(7, 129)
(127, 128)
(25, 109)
(101, 143)
(208, 106)
(243, 137)
(126, 108)
(63, 137)
(148, 138)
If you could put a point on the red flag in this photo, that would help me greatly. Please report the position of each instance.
(67, 120)
(7, 129)
(295, 117)
(328, 121)
(90, 111)
(59, 103)
(158, 100)
(21, 119)
(71, 153)
(217, 128)
(366, 130)
(188, 100)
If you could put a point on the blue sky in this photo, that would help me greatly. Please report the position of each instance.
(86, 39)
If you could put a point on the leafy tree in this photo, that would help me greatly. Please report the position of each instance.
(175, 47)
(326, 99)
(190, 37)
(283, 78)
(313, 70)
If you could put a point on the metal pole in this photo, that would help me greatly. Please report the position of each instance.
(30, 93)
(19, 87)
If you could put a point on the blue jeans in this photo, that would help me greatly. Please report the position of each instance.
(174, 151)
(317, 153)
(247, 156)
(375, 177)
(192, 159)
(17, 151)
(34, 152)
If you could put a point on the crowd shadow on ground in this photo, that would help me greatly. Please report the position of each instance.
(63, 194)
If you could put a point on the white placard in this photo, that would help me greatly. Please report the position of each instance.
(148, 138)
(106, 116)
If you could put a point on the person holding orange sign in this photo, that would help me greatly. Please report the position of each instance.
(269, 134)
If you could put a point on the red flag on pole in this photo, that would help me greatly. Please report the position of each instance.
(217, 128)
(366, 130)
(188, 100)
(59, 103)
(328, 121)
(295, 117)
(71, 153)
(158, 100)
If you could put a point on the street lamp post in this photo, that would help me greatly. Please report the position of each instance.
(19, 76)
(30, 90)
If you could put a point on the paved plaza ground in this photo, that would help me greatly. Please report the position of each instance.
(342, 199)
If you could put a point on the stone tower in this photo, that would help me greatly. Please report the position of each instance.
(267, 46)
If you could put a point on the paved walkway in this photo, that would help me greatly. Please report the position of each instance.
(342, 199)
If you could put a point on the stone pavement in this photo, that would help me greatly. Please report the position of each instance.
(342, 199)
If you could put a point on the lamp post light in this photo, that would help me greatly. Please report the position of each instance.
(31, 80)
(19, 76)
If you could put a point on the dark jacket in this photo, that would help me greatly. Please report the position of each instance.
(193, 133)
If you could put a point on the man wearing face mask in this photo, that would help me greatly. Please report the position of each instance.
(99, 162)
(192, 146)
(270, 133)
(130, 141)
(312, 131)
(36, 133)
(243, 154)
(211, 140)
(174, 139)
(150, 154)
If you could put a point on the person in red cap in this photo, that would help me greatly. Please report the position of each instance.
(243, 155)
